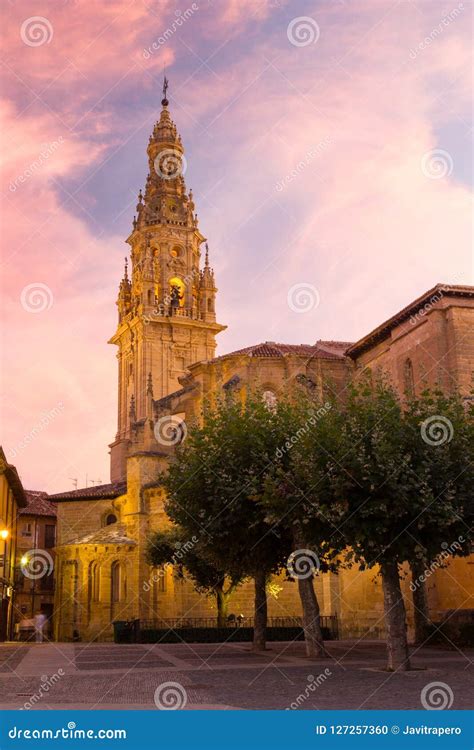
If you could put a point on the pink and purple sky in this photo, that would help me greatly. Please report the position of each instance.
(329, 144)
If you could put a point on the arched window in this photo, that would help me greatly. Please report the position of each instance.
(94, 582)
(269, 399)
(110, 518)
(177, 284)
(209, 305)
(115, 582)
(409, 380)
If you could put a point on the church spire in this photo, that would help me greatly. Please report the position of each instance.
(165, 190)
(167, 315)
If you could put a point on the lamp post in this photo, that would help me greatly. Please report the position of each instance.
(4, 534)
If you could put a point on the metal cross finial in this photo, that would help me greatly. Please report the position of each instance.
(165, 89)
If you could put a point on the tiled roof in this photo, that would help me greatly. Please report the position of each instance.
(115, 533)
(38, 504)
(99, 491)
(272, 349)
(13, 480)
(382, 331)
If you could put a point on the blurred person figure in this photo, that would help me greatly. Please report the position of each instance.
(40, 621)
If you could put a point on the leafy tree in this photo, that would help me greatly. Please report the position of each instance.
(299, 496)
(212, 486)
(440, 439)
(172, 547)
(400, 499)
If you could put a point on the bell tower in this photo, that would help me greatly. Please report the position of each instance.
(166, 310)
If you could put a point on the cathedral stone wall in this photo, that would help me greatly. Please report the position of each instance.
(436, 345)
(166, 340)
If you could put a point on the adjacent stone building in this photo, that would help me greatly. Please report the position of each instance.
(12, 500)
(36, 540)
(166, 344)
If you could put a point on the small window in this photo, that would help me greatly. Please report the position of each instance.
(26, 529)
(161, 580)
(110, 518)
(115, 576)
(94, 582)
(409, 380)
(47, 582)
(49, 536)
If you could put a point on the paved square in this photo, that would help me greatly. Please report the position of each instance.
(95, 676)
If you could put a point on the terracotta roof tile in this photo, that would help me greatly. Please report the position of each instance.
(115, 533)
(98, 492)
(273, 349)
(38, 504)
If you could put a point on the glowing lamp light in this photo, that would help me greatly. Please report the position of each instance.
(24, 560)
(4, 534)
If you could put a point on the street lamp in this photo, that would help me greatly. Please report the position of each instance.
(4, 533)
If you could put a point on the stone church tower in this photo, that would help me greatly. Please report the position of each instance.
(166, 311)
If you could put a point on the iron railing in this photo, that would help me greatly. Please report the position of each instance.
(326, 621)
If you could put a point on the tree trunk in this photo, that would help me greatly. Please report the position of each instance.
(395, 618)
(421, 615)
(311, 625)
(221, 600)
(260, 615)
(309, 603)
